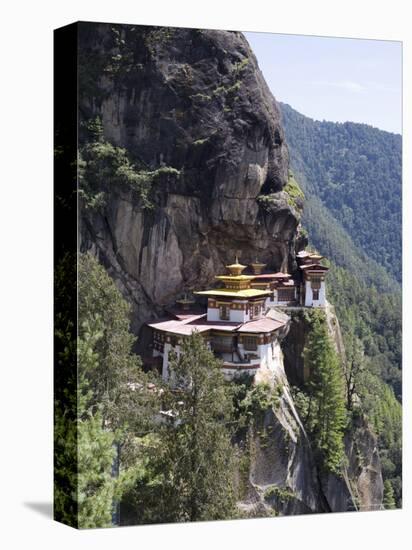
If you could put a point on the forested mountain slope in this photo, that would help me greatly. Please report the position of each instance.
(355, 171)
(351, 176)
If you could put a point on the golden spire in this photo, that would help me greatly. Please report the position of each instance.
(236, 268)
(258, 267)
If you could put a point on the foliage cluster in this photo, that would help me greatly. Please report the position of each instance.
(321, 402)
(190, 474)
(107, 406)
(258, 399)
(294, 192)
(283, 495)
(103, 166)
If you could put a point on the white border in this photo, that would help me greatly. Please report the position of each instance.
(26, 268)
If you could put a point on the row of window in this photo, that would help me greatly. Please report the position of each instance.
(225, 343)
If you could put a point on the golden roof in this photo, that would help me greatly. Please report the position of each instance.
(235, 277)
(258, 267)
(243, 293)
(236, 268)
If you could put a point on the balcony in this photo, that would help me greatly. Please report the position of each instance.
(244, 365)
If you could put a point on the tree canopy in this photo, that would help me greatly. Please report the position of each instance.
(192, 464)
(325, 415)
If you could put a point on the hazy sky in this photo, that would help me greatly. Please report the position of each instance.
(337, 79)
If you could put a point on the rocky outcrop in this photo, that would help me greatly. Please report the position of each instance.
(194, 101)
(360, 485)
(293, 346)
(364, 471)
(282, 475)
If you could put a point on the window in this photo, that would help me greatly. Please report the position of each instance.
(286, 294)
(315, 294)
(224, 313)
(222, 344)
(315, 281)
(254, 311)
(250, 342)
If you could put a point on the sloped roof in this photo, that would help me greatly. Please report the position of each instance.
(277, 315)
(278, 275)
(261, 325)
(314, 267)
(232, 293)
(199, 323)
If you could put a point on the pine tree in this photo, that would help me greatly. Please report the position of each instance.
(65, 394)
(388, 496)
(116, 381)
(193, 460)
(326, 417)
(354, 367)
(101, 406)
(96, 452)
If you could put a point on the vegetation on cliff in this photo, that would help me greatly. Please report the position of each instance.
(102, 166)
(296, 196)
(321, 401)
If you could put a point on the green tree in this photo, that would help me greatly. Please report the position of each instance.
(385, 415)
(388, 496)
(120, 404)
(96, 451)
(65, 393)
(354, 367)
(116, 380)
(193, 459)
(326, 414)
(104, 405)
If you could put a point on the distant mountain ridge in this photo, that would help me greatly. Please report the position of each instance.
(351, 173)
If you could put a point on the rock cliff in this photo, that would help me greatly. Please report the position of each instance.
(282, 477)
(360, 487)
(194, 101)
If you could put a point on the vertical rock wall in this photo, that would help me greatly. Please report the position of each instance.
(194, 101)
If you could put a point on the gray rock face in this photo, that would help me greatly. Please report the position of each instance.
(360, 486)
(196, 101)
(282, 473)
(364, 466)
